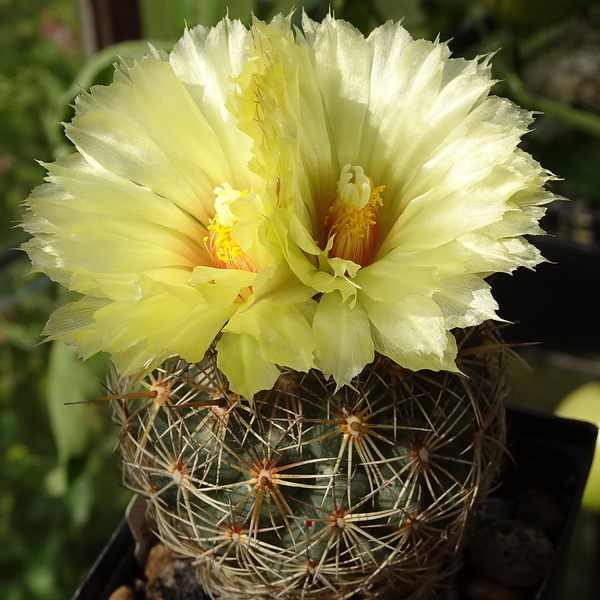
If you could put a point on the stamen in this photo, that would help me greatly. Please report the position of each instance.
(352, 219)
(225, 252)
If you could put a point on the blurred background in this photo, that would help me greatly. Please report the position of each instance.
(60, 490)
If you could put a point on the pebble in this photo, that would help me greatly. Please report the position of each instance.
(170, 578)
(159, 558)
(123, 593)
(511, 552)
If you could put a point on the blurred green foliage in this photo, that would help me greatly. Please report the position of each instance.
(55, 460)
(37, 60)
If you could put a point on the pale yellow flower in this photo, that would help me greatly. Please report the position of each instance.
(400, 187)
(159, 222)
(306, 199)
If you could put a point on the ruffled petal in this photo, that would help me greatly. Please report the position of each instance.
(465, 300)
(147, 128)
(280, 107)
(412, 332)
(70, 321)
(92, 234)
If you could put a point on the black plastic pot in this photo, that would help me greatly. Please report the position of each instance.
(552, 454)
(547, 452)
(115, 566)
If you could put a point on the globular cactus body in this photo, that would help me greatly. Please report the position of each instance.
(309, 492)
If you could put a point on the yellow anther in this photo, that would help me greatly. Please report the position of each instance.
(225, 252)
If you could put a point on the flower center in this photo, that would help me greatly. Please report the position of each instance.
(225, 252)
(352, 219)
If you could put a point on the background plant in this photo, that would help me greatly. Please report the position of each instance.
(52, 460)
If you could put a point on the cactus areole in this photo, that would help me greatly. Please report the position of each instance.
(281, 237)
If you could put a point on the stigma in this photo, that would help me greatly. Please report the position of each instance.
(352, 219)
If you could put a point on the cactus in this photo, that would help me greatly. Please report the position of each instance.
(313, 492)
(275, 232)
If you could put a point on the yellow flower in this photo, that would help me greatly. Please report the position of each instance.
(306, 199)
(400, 187)
(160, 223)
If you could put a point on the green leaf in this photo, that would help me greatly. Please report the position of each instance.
(70, 380)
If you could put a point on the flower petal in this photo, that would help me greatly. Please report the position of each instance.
(69, 321)
(240, 359)
(389, 280)
(221, 287)
(280, 106)
(343, 338)
(283, 333)
(465, 300)
(409, 358)
(415, 326)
